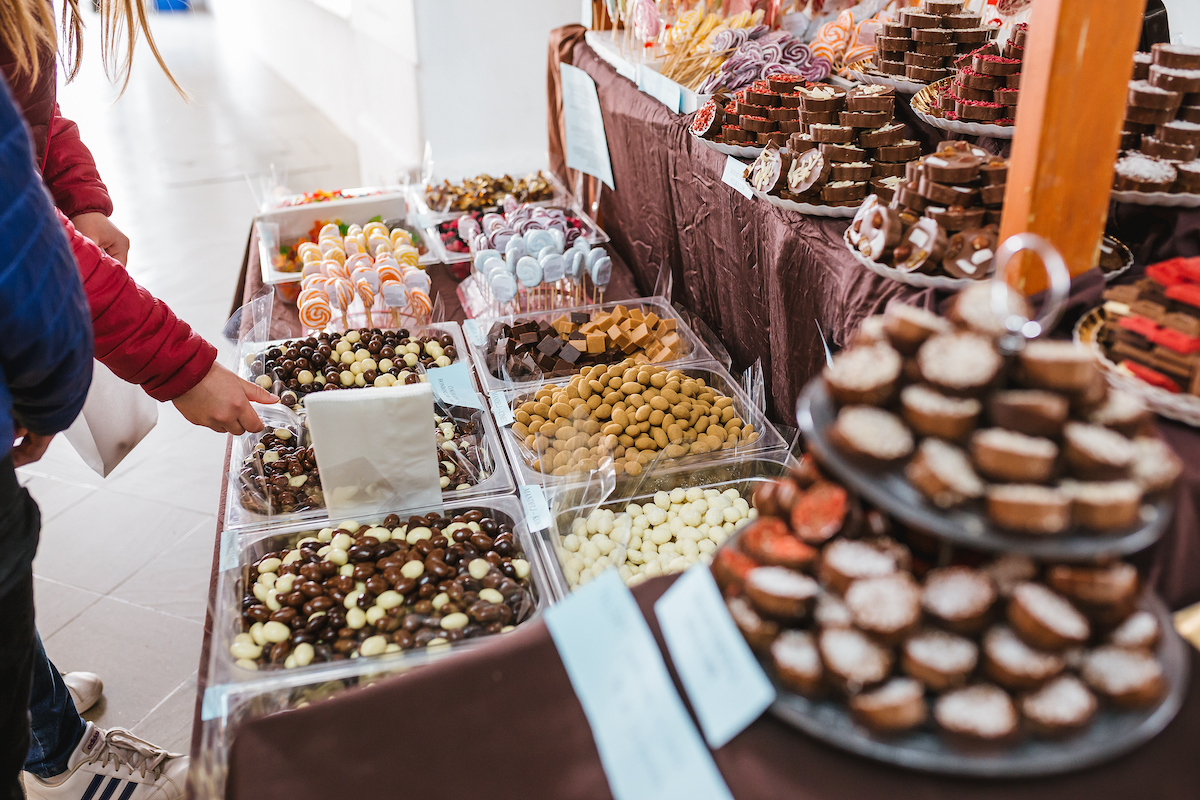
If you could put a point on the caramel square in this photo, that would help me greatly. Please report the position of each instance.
(597, 343)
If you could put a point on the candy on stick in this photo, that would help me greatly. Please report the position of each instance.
(529, 274)
(308, 251)
(335, 269)
(468, 228)
(315, 312)
(422, 306)
(372, 229)
(576, 264)
(395, 297)
(343, 292)
(367, 292)
(330, 231)
(311, 268)
(482, 256)
(389, 273)
(554, 267)
(416, 279)
(601, 272)
(407, 254)
(503, 285)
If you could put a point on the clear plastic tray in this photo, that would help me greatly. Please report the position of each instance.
(417, 194)
(592, 232)
(284, 226)
(476, 332)
(235, 694)
(241, 519)
(249, 349)
(769, 440)
(569, 503)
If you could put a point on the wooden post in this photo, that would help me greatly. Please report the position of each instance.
(1078, 63)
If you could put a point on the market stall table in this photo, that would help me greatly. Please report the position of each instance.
(503, 722)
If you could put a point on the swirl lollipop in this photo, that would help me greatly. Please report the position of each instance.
(407, 254)
(395, 297)
(311, 268)
(317, 281)
(308, 294)
(554, 267)
(316, 313)
(309, 252)
(373, 229)
(419, 302)
(601, 272)
(343, 292)
(576, 265)
(529, 275)
(482, 256)
(330, 231)
(335, 269)
(416, 279)
(367, 292)
(389, 273)
(504, 286)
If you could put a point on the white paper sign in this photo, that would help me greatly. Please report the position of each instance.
(587, 145)
(375, 448)
(647, 743)
(537, 510)
(585, 14)
(453, 386)
(395, 295)
(725, 683)
(664, 90)
(734, 175)
(474, 333)
(500, 410)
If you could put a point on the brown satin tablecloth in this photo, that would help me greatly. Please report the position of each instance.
(503, 722)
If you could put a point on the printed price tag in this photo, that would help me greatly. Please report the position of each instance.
(500, 410)
(732, 176)
(474, 333)
(453, 385)
(646, 740)
(537, 511)
(664, 90)
(725, 683)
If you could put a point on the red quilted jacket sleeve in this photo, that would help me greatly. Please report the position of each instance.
(137, 336)
(70, 172)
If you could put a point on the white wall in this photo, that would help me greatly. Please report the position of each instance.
(469, 76)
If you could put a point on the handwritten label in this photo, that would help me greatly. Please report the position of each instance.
(537, 511)
(453, 386)
(733, 176)
(647, 743)
(500, 410)
(229, 554)
(474, 333)
(587, 144)
(723, 680)
(664, 90)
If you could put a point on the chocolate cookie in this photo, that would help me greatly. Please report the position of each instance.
(969, 253)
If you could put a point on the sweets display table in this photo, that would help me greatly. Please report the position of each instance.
(535, 742)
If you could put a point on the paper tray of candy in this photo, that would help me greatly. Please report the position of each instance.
(580, 336)
(281, 231)
(634, 530)
(865, 72)
(1003, 669)
(276, 650)
(706, 396)
(1165, 199)
(923, 106)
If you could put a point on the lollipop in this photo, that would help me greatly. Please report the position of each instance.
(560, 239)
(373, 229)
(353, 229)
(344, 294)
(416, 279)
(369, 274)
(316, 281)
(407, 254)
(389, 273)
(352, 247)
(315, 313)
(422, 306)
(358, 261)
(395, 297)
(401, 236)
(529, 274)
(367, 292)
(309, 294)
(535, 240)
(330, 231)
(311, 268)
(554, 267)
(504, 286)
(601, 272)
(335, 269)
(309, 252)
(467, 228)
(482, 256)
(576, 264)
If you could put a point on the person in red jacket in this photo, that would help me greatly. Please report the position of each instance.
(141, 340)
(137, 335)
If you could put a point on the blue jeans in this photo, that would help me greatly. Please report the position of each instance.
(55, 726)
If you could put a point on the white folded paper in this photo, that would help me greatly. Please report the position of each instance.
(375, 448)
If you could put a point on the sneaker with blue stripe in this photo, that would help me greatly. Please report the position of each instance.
(113, 764)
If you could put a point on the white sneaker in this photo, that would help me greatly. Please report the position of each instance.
(115, 765)
(85, 689)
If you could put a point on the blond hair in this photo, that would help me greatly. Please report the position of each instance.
(27, 27)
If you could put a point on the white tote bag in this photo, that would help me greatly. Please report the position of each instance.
(116, 416)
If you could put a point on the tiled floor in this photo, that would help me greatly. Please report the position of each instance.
(123, 566)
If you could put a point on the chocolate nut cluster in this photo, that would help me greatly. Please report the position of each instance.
(397, 586)
(355, 359)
